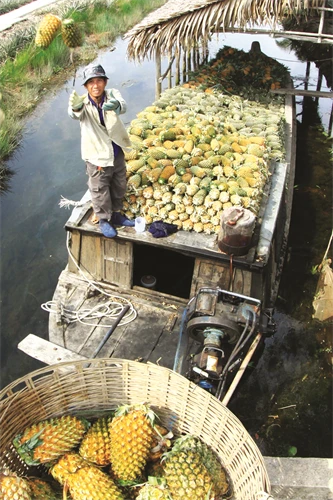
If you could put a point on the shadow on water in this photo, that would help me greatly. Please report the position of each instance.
(285, 402)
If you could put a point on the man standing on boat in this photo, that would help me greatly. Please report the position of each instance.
(103, 137)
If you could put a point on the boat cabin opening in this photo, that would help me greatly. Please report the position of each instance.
(162, 270)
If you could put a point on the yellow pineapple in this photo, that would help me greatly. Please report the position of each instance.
(14, 487)
(193, 472)
(154, 489)
(47, 30)
(90, 483)
(49, 439)
(132, 434)
(68, 464)
(95, 446)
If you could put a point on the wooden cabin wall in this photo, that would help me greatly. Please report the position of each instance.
(208, 273)
(102, 259)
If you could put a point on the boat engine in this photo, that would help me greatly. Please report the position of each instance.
(220, 326)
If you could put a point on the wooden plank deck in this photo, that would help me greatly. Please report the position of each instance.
(151, 336)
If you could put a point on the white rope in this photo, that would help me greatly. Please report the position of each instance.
(66, 203)
(110, 309)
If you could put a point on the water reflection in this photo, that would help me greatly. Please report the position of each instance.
(48, 165)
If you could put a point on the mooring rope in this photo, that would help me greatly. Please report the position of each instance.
(109, 309)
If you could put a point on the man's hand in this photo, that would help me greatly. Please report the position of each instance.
(76, 101)
(111, 105)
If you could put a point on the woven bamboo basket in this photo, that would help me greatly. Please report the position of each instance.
(92, 387)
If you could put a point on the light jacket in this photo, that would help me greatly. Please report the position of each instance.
(96, 140)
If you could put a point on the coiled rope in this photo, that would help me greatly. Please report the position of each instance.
(109, 309)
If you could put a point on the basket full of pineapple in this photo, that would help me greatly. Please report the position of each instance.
(118, 430)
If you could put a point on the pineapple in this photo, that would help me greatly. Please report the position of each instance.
(193, 472)
(71, 33)
(132, 434)
(90, 483)
(49, 439)
(95, 446)
(66, 465)
(14, 487)
(41, 490)
(47, 30)
(154, 489)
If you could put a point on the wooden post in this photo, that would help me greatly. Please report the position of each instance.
(184, 65)
(158, 88)
(330, 125)
(320, 81)
(170, 69)
(321, 25)
(177, 67)
(188, 69)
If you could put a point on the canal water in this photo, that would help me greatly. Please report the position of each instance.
(291, 374)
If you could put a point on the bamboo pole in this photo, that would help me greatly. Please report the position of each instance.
(241, 370)
(300, 92)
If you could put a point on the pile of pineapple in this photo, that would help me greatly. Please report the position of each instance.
(196, 152)
(49, 27)
(123, 455)
(235, 71)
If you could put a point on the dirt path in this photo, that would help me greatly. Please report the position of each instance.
(27, 16)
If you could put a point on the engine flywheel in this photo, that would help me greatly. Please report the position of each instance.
(196, 327)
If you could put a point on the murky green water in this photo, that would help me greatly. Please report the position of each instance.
(291, 372)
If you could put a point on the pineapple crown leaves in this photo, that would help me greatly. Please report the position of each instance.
(26, 449)
(141, 407)
(187, 442)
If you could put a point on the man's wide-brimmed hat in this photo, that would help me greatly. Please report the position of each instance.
(93, 71)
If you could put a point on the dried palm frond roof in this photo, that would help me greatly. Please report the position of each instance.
(180, 23)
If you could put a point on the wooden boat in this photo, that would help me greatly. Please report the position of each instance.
(197, 288)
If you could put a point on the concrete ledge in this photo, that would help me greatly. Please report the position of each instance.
(300, 478)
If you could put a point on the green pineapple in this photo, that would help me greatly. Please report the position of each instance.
(49, 439)
(193, 472)
(95, 446)
(42, 490)
(132, 435)
(71, 33)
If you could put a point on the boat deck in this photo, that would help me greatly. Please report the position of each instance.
(148, 332)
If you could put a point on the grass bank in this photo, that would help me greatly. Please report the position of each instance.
(27, 72)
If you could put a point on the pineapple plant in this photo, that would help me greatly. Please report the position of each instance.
(131, 432)
(49, 439)
(95, 445)
(193, 472)
(47, 30)
(71, 33)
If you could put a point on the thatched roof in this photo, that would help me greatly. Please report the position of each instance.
(180, 23)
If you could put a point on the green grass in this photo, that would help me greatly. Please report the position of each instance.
(26, 70)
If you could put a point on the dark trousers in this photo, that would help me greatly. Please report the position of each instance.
(107, 186)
